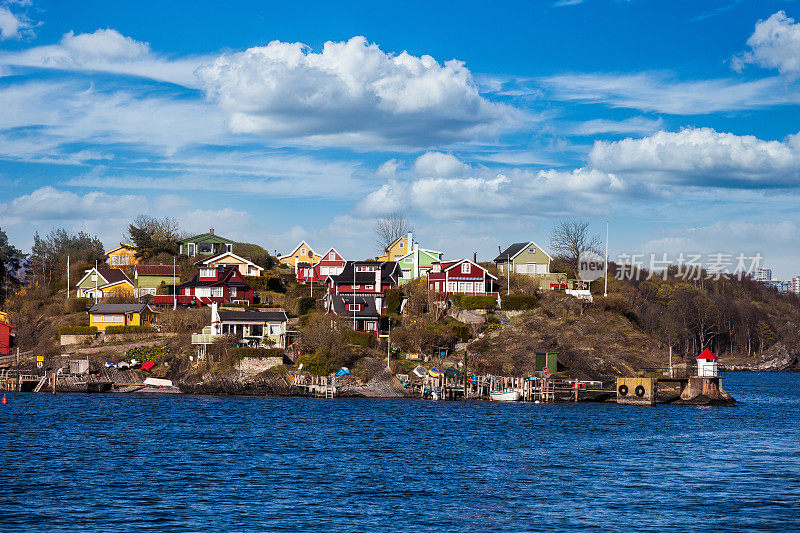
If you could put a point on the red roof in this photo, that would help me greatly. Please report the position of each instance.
(707, 354)
(157, 270)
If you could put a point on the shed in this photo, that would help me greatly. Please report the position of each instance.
(547, 359)
(707, 364)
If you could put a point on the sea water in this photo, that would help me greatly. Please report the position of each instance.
(199, 463)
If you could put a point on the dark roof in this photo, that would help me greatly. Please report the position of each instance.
(388, 273)
(208, 237)
(118, 309)
(158, 270)
(228, 272)
(113, 275)
(510, 252)
(253, 316)
(368, 310)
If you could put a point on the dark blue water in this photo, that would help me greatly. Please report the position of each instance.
(166, 463)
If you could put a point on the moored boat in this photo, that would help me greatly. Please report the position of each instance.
(504, 395)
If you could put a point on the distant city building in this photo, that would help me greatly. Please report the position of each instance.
(796, 284)
(763, 274)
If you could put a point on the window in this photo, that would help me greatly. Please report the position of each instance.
(187, 291)
(369, 287)
(216, 292)
(332, 256)
(541, 268)
(354, 307)
(119, 319)
(208, 272)
(204, 247)
(324, 271)
(203, 292)
(94, 277)
(191, 248)
(451, 286)
(532, 250)
(521, 269)
(402, 244)
(108, 318)
(233, 292)
(257, 330)
(437, 268)
(356, 287)
(274, 329)
(303, 251)
(464, 286)
(409, 260)
(371, 325)
(465, 268)
(228, 247)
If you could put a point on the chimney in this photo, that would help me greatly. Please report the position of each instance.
(211, 231)
(474, 257)
(410, 244)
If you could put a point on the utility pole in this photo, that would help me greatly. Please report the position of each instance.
(67, 277)
(388, 343)
(466, 374)
(96, 274)
(174, 287)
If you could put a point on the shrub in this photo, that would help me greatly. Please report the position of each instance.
(116, 330)
(519, 302)
(359, 338)
(76, 305)
(269, 282)
(488, 328)
(478, 302)
(164, 289)
(305, 304)
(460, 330)
(393, 300)
(77, 330)
(147, 353)
(239, 353)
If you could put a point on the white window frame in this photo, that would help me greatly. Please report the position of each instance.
(202, 292)
(370, 326)
(274, 330)
(303, 251)
(354, 307)
(217, 292)
(228, 247)
(356, 287)
(119, 319)
(190, 248)
(466, 268)
(402, 244)
(452, 286)
(108, 318)
(208, 272)
(369, 287)
(332, 256)
(233, 292)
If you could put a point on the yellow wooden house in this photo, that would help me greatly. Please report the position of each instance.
(105, 315)
(397, 249)
(302, 253)
(104, 282)
(122, 256)
(246, 268)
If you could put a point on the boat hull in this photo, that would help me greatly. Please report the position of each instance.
(504, 396)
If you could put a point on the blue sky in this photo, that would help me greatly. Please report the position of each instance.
(485, 123)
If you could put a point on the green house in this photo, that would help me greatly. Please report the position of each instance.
(529, 259)
(417, 263)
(205, 244)
(148, 278)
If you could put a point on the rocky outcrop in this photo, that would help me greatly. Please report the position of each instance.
(777, 358)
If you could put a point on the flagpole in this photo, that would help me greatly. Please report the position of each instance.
(174, 287)
(96, 273)
(605, 278)
(67, 277)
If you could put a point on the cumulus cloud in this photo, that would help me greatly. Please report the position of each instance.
(439, 164)
(388, 169)
(49, 203)
(13, 26)
(703, 157)
(350, 92)
(526, 192)
(661, 93)
(774, 44)
(106, 50)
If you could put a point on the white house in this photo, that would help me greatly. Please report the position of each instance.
(707, 364)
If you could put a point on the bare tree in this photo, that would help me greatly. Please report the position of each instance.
(389, 228)
(570, 238)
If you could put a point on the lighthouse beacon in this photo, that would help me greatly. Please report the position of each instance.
(707, 364)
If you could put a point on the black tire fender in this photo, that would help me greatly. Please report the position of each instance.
(640, 391)
(623, 390)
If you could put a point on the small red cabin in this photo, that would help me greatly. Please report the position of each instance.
(223, 284)
(331, 264)
(6, 336)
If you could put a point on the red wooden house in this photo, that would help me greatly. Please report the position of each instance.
(357, 292)
(223, 284)
(462, 277)
(331, 264)
(5, 335)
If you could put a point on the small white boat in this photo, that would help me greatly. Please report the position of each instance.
(504, 395)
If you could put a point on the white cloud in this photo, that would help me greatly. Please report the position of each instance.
(107, 50)
(13, 26)
(702, 156)
(49, 203)
(351, 92)
(659, 92)
(439, 164)
(775, 44)
(388, 169)
(628, 125)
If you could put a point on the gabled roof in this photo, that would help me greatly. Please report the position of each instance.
(432, 253)
(515, 249)
(389, 247)
(253, 316)
(388, 271)
(110, 276)
(208, 237)
(228, 272)
(326, 254)
(118, 309)
(300, 245)
(447, 265)
(231, 254)
(707, 354)
(120, 247)
(158, 270)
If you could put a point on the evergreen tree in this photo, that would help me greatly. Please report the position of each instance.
(10, 262)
